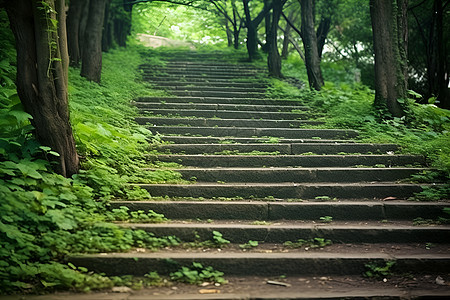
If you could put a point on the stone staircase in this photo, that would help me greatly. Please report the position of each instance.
(260, 174)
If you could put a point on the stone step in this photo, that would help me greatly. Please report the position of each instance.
(310, 190)
(207, 122)
(299, 133)
(262, 264)
(209, 161)
(236, 72)
(338, 232)
(214, 89)
(202, 80)
(271, 211)
(234, 140)
(205, 77)
(222, 101)
(215, 66)
(219, 107)
(277, 174)
(190, 84)
(290, 149)
(252, 95)
(227, 114)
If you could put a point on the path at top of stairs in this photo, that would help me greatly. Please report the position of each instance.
(258, 172)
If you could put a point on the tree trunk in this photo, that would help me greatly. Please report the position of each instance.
(73, 30)
(274, 59)
(229, 33)
(389, 24)
(41, 76)
(287, 30)
(91, 66)
(312, 59)
(442, 90)
(252, 38)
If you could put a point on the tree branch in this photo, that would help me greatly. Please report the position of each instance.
(292, 25)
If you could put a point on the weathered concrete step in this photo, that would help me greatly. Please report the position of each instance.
(298, 133)
(280, 210)
(201, 79)
(293, 149)
(218, 94)
(233, 140)
(271, 264)
(212, 66)
(205, 77)
(214, 89)
(297, 174)
(169, 121)
(290, 160)
(216, 107)
(211, 84)
(312, 190)
(228, 114)
(375, 232)
(221, 101)
(237, 73)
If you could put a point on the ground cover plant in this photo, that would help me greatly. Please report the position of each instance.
(45, 216)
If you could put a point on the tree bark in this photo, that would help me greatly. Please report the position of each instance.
(389, 24)
(91, 65)
(252, 25)
(312, 59)
(73, 31)
(41, 76)
(274, 59)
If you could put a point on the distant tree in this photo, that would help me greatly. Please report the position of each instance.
(42, 66)
(91, 53)
(429, 55)
(252, 26)
(274, 58)
(230, 11)
(390, 40)
(309, 37)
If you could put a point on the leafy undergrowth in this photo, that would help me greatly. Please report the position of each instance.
(345, 104)
(44, 216)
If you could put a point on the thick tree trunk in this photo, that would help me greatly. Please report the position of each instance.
(274, 59)
(389, 24)
(73, 31)
(442, 89)
(229, 33)
(312, 59)
(91, 66)
(41, 76)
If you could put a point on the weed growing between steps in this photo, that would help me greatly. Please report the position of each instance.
(198, 274)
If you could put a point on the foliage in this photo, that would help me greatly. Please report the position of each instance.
(179, 22)
(139, 216)
(198, 274)
(249, 245)
(217, 241)
(44, 216)
(379, 270)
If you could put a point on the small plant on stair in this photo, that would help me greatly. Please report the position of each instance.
(249, 245)
(379, 270)
(198, 274)
(140, 216)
